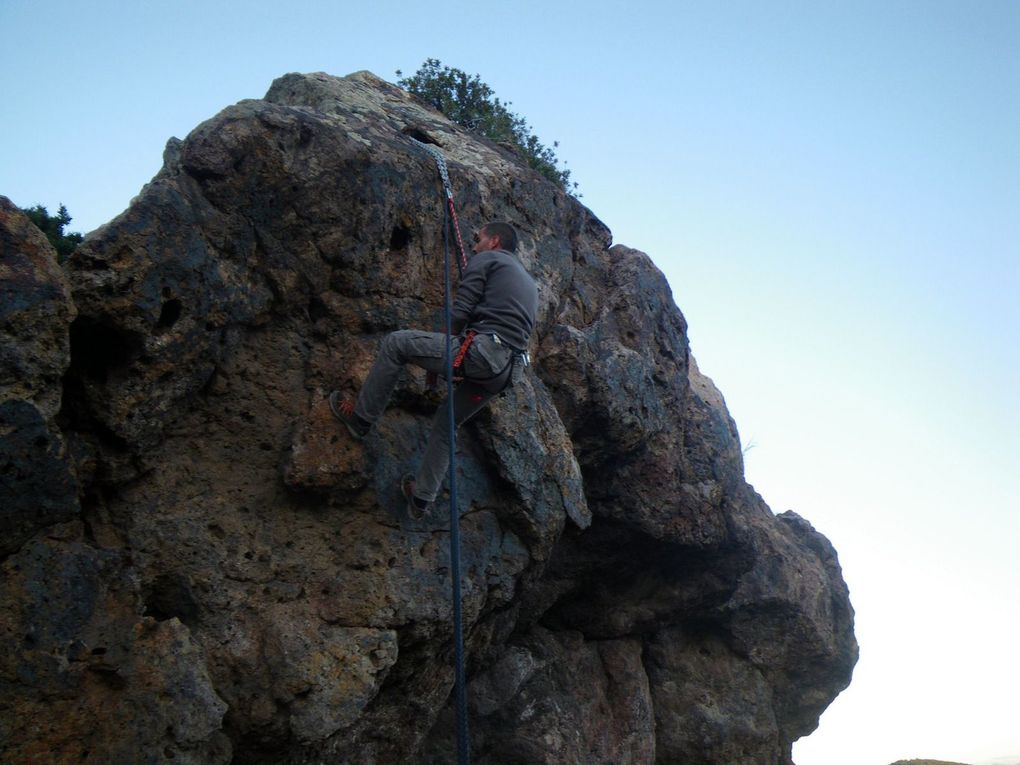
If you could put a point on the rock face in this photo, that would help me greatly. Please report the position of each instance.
(37, 485)
(200, 565)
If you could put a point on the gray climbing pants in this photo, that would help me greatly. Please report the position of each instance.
(486, 368)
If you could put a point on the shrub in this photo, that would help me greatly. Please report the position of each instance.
(53, 227)
(472, 104)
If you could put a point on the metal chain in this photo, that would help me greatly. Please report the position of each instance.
(441, 162)
(444, 174)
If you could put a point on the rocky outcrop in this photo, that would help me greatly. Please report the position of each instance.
(239, 581)
(37, 486)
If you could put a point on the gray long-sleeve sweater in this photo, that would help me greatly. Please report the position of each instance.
(497, 295)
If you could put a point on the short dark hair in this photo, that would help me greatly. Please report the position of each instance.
(505, 232)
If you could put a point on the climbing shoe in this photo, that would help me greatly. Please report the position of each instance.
(343, 410)
(416, 506)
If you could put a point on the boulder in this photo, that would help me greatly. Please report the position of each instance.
(249, 571)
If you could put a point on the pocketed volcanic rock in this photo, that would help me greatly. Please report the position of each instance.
(38, 486)
(201, 565)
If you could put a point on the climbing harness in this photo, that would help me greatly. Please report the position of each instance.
(450, 214)
(506, 373)
(517, 356)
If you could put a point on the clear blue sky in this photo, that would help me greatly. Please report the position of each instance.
(833, 191)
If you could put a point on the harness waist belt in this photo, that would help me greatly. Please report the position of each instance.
(500, 341)
(469, 338)
(524, 355)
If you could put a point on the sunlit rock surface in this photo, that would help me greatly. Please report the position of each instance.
(240, 582)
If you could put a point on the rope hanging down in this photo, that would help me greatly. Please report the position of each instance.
(450, 216)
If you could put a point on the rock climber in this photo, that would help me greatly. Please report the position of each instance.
(493, 316)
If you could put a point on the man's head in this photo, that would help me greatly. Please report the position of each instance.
(495, 235)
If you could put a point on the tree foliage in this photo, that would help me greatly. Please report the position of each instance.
(472, 104)
(53, 227)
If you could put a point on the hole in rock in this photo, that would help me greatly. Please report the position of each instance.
(419, 135)
(98, 348)
(170, 314)
(109, 676)
(317, 309)
(168, 596)
(399, 238)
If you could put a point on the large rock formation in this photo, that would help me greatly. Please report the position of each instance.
(239, 581)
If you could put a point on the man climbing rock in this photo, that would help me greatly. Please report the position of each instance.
(493, 314)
